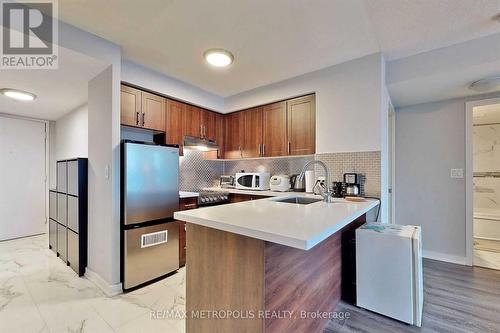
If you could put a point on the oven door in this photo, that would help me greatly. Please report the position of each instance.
(245, 182)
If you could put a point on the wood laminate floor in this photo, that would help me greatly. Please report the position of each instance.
(457, 299)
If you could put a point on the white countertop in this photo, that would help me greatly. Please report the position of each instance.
(294, 225)
(183, 194)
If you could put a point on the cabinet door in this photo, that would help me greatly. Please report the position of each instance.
(184, 204)
(62, 215)
(73, 251)
(53, 235)
(73, 177)
(62, 174)
(234, 132)
(62, 242)
(173, 126)
(192, 121)
(73, 221)
(130, 106)
(53, 205)
(208, 125)
(219, 138)
(274, 129)
(153, 112)
(301, 126)
(252, 132)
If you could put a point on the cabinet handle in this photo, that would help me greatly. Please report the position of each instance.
(263, 150)
(143, 118)
(137, 118)
(190, 205)
(241, 154)
(260, 150)
(288, 148)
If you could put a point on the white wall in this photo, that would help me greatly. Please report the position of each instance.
(160, 83)
(349, 97)
(104, 228)
(104, 154)
(71, 134)
(430, 140)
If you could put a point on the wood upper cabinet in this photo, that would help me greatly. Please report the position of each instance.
(153, 111)
(141, 109)
(252, 132)
(234, 135)
(174, 122)
(301, 126)
(208, 130)
(130, 104)
(192, 121)
(274, 129)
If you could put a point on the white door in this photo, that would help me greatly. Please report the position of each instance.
(22, 178)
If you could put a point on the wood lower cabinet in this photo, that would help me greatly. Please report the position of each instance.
(237, 197)
(184, 204)
(274, 130)
(234, 135)
(301, 126)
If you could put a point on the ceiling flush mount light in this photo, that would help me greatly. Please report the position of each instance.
(18, 94)
(218, 57)
(486, 84)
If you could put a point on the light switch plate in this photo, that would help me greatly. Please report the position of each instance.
(457, 173)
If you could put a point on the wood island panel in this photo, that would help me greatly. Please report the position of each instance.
(226, 271)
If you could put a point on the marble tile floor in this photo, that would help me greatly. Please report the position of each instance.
(39, 293)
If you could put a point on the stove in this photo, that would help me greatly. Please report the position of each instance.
(211, 198)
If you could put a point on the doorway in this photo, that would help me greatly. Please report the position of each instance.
(483, 183)
(23, 177)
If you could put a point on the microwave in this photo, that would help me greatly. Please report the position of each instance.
(258, 181)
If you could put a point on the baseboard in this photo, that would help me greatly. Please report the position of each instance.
(445, 257)
(108, 289)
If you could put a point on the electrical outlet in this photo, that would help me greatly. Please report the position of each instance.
(457, 173)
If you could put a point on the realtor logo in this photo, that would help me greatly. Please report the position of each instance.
(29, 33)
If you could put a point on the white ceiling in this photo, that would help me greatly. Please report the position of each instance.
(278, 39)
(486, 114)
(59, 91)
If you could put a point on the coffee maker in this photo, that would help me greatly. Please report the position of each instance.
(352, 183)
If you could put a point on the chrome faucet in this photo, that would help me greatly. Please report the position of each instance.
(327, 195)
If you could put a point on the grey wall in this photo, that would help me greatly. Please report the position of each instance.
(430, 140)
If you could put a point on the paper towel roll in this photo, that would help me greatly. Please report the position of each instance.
(309, 176)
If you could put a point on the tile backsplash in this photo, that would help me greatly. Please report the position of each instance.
(288, 166)
(366, 163)
(197, 173)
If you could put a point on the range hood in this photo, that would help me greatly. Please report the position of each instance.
(192, 142)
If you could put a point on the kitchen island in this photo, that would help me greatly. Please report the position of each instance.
(266, 265)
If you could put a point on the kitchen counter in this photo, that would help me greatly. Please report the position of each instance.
(293, 225)
(264, 257)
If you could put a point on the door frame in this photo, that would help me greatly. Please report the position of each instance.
(469, 176)
(47, 157)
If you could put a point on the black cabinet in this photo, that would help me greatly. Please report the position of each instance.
(68, 214)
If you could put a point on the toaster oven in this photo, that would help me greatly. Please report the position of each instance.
(257, 181)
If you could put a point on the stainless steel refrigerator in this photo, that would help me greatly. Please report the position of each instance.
(149, 198)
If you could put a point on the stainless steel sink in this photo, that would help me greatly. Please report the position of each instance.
(298, 200)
